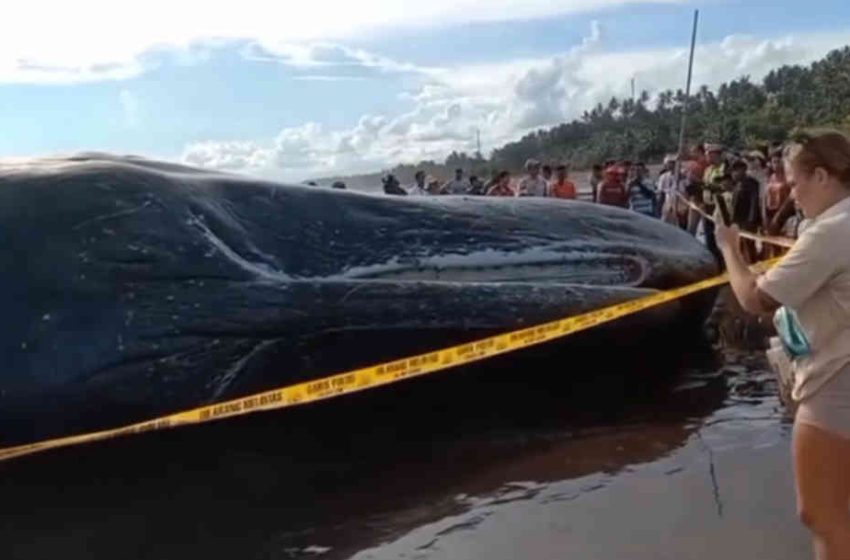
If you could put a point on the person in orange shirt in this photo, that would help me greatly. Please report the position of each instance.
(561, 186)
(612, 189)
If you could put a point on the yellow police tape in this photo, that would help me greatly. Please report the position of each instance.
(382, 374)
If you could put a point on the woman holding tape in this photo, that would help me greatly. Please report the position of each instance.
(809, 291)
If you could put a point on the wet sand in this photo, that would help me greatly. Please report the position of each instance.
(626, 461)
(642, 491)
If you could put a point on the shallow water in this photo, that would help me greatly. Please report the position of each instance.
(499, 465)
(719, 486)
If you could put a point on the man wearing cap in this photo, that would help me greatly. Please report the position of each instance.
(533, 184)
(714, 170)
(713, 175)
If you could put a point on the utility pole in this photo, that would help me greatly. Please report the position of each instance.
(478, 141)
(687, 96)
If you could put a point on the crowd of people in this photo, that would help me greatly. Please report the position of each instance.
(752, 183)
(539, 180)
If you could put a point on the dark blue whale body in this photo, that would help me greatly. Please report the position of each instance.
(132, 288)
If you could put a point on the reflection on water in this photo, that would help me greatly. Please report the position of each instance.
(617, 459)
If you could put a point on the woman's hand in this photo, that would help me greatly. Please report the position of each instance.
(727, 236)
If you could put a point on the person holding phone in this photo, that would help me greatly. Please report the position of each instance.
(746, 210)
(723, 208)
(809, 293)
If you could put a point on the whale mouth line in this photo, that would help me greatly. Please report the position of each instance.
(597, 270)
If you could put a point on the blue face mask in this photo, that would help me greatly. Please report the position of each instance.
(791, 334)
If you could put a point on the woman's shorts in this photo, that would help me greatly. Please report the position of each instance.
(829, 408)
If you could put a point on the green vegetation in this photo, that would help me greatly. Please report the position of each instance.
(740, 115)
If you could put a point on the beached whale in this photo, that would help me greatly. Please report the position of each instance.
(132, 288)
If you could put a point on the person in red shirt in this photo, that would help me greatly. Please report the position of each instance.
(696, 174)
(502, 186)
(776, 193)
(697, 165)
(561, 186)
(612, 189)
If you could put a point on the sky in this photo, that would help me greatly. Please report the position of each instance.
(338, 87)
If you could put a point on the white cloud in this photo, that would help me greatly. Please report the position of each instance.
(35, 71)
(229, 155)
(504, 100)
(734, 56)
(52, 41)
(320, 55)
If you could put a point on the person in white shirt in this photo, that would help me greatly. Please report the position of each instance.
(674, 209)
(418, 188)
(458, 185)
(533, 184)
(809, 290)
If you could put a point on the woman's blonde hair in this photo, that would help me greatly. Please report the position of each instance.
(826, 148)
